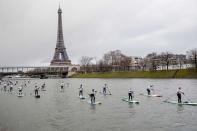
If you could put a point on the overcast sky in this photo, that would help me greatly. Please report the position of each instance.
(28, 28)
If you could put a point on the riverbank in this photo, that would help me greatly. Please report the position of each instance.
(190, 73)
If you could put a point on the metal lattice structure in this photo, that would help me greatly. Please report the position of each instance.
(60, 56)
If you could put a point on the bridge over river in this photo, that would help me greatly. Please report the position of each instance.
(37, 70)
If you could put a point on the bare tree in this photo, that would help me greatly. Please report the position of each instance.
(165, 58)
(144, 63)
(85, 61)
(192, 54)
(152, 61)
(112, 57)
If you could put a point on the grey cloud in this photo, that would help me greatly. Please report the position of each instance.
(92, 27)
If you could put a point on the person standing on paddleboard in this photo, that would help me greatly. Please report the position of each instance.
(130, 94)
(179, 92)
(105, 89)
(62, 86)
(4, 86)
(92, 96)
(36, 90)
(11, 88)
(149, 89)
(81, 90)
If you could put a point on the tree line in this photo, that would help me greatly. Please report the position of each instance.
(117, 61)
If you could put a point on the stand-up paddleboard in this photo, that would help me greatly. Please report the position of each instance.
(95, 103)
(183, 103)
(21, 95)
(130, 101)
(104, 93)
(154, 95)
(82, 97)
(38, 96)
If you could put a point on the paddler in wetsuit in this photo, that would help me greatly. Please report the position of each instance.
(179, 92)
(92, 96)
(104, 89)
(20, 89)
(43, 86)
(36, 90)
(130, 94)
(11, 88)
(81, 90)
(62, 86)
(149, 89)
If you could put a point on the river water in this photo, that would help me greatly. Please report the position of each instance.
(64, 111)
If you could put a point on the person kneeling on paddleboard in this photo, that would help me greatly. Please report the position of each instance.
(81, 90)
(179, 92)
(130, 94)
(92, 96)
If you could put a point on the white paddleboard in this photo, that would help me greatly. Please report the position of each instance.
(183, 103)
(154, 95)
(130, 101)
(82, 97)
(95, 103)
(20, 95)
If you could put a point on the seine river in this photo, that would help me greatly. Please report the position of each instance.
(59, 110)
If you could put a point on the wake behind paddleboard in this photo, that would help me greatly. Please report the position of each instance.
(94, 103)
(130, 101)
(183, 103)
(154, 95)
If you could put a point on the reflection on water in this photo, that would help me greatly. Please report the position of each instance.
(180, 108)
(62, 109)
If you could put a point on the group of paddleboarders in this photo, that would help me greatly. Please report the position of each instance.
(92, 94)
(179, 92)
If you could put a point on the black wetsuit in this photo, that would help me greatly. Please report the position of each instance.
(81, 92)
(148, 90)
(36, 92)
(104, 90)
(130, 95)
(11, 88)
(92, 96)
(179, 97)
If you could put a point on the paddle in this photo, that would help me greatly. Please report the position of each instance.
(168, 98)
(109, 91)
(187, 98)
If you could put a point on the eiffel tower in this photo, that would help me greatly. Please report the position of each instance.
(60, 57)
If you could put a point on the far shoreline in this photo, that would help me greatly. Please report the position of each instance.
(163, 74)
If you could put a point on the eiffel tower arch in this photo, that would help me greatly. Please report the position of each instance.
(60, 57)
